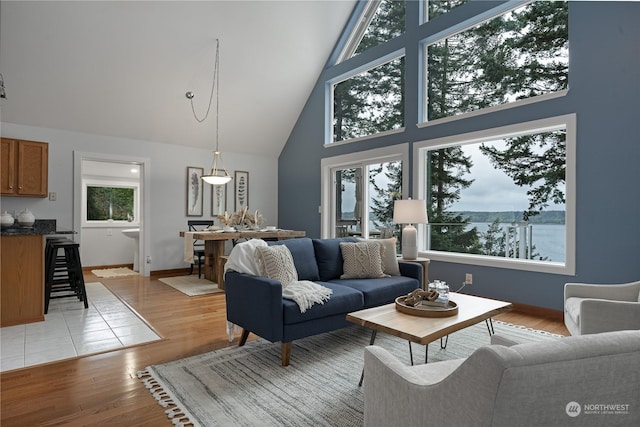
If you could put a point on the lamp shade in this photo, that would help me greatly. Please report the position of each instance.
(216, 179)
(218, 174)
(409, 212)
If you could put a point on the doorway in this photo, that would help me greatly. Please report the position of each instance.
(106, 171)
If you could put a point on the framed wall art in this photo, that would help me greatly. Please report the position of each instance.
(241, 179)
(218, 199)
(194, 191)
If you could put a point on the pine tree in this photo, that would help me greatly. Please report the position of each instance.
(446, 170)
(518, 55)
(373, 101)
(382, 204)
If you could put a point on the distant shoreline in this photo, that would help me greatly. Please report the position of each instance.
(507, 217)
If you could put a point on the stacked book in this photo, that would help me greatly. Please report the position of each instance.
(433, 305)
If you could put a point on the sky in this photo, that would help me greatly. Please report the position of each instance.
(492, 189)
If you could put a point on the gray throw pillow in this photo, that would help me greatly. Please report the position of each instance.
(388, 254)
(362, 260)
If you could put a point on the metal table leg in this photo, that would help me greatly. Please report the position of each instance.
(373, 339)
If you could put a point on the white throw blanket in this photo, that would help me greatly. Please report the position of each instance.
(241, 258)
(304, 292)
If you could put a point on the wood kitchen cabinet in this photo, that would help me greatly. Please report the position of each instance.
(25, 168)
(22, 279)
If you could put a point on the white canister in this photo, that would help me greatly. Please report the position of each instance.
(26, 218)
(6, 219)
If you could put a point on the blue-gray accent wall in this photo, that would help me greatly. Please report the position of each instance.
(604, 93)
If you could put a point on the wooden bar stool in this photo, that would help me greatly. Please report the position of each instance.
(63, 272)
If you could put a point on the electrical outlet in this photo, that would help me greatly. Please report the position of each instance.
(148, 260)
(468, 278)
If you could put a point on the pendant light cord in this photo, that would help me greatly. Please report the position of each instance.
(214, 84)
(215, 177)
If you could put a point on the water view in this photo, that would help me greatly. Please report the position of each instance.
(548, 239)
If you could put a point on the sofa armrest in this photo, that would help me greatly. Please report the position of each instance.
(255, 303)
(502, 340)
(411, 269)
(600, 315)
(396, 394)
(621, 292)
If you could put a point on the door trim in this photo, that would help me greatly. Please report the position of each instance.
(144, 249)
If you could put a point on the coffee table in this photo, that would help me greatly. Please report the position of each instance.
(424, 330)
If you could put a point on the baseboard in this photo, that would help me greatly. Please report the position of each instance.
(153, 274)
(543, 312)
(533, 310)
(169, 273)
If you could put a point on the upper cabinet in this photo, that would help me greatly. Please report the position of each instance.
(25, 168)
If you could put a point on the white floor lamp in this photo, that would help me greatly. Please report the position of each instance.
(409, 212)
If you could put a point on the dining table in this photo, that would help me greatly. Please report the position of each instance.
(214, 246)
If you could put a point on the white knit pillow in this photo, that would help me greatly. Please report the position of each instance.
(276, 262)
(362, 260)
(389, 259)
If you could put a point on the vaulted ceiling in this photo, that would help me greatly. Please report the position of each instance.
(122, 68)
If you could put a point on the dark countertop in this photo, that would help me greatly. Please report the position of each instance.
(39, 228)
(30, 231)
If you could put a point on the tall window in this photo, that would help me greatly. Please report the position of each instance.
(521, 54)
(386, 23)
(370, 102)
(364, 196)
(358, 191)
(504, 193)
(379, 21)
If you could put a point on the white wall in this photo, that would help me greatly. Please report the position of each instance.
(167, 186)
(106, 246)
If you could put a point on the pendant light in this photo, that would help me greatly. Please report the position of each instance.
(218, 175)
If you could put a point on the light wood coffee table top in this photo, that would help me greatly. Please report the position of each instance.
(423, 330)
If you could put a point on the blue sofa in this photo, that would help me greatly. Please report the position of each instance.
(256, 304)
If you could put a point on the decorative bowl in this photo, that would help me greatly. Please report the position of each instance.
(426, 311)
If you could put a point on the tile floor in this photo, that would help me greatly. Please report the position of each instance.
(70, 331)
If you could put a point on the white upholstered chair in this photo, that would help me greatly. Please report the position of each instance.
(591, 309)
(523, 385)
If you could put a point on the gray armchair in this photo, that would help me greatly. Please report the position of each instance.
(532, 384)
(591, 309)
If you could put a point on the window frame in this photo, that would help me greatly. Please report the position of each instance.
(399, 152)
(115, 183)
(451, 31)
(360, 27)
(567, 122)
(329, 99)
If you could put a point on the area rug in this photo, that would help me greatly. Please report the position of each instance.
(246, 386)
(192, 285)
(114, 272)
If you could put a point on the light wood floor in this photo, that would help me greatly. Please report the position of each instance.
(103, 390)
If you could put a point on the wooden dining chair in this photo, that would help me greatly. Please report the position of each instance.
(198, 245)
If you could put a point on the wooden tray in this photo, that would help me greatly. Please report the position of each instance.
(425, 311)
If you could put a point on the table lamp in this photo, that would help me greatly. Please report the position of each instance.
(409, 212)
